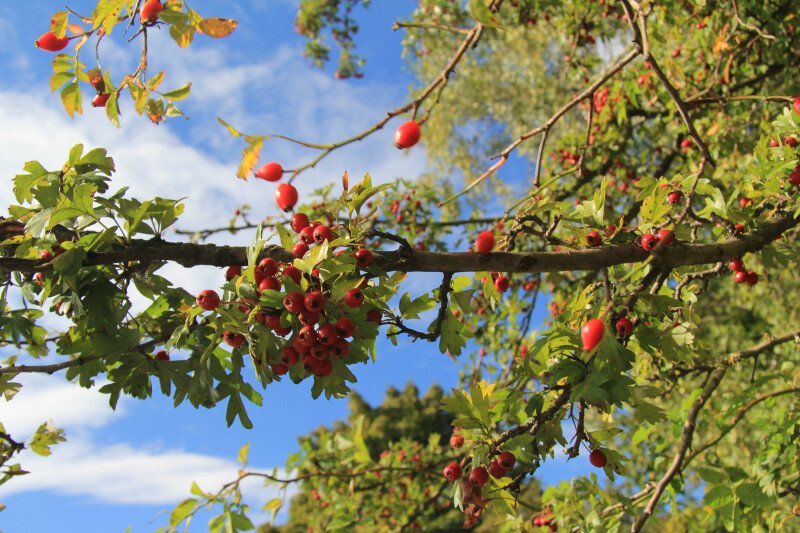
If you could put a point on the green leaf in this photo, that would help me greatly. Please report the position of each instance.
(480, 12)
(182, 511)
(412, 308)
(178, 94)
(71, 99)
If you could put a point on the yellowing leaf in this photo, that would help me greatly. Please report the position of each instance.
(712, 129)
(721, 44)
(217, 27)
(250, 156)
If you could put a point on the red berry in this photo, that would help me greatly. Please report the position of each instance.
(667, 236)
(738, 228)
(346, 327)
(310, 364)
(744, 202)
(796, 104)
(592, 333)
(300, 249)
(294, 302)
(340, 348)
(269, 283)
(150, 10)
(324, 368)
(354, 298)
(50, 43)
(208, 300)
(593, 238)
(496, 470)
(293, 273)
(45, 255)
(478, 477)
(328, 334)
(624, 327)
(307, 336)
(301, 348)
(232, 272)
(610, 230)
(791, 142)
(537, 521)
(314, 302)
(279, 369)
(736, 265)
(501, 284)
(407, 135)
(456, 440)
(794, 177)
(774, 143)
(506, 460)
(233, 339)
(38, 278)
(286, 196)
(100, 100)
(740, 276)
(597, 458)
(553, 527)
(322, 234)
(484, 242)
(289, 356)
(648, 240)
(752, 278)
(307, 235)
(452, 472)
(364, 257)
(268, 266)
(674, 197)
(375, 315)
(270, 172)
(162, 355)
(299, 222)
(320, 351)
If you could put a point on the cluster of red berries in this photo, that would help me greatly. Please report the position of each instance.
(545, 519)
(649, 241)
(740, 274)
(285, 193)
(479, 476)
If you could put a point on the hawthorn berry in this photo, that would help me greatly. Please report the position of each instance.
(738, 228)
(593, 238)
(293, 273)
(610, 230)
(794, 177)
(456, 440)
(269, 283)
(279, 369)
(307, 318)
(208, 300)
(736, 265)
(740, 276)
(150, 10)
(648, 240)
(286, 196)
(624, 327)
(354, 298)
(501, 284)
(478, 477)
(50, 43)
(407, 135)
(752, 278)
(45, 255)
(496, 470)
(364, 257)
(314, 302)
(307, 336)
(232, 272)
(597, 458)
(506, 460)
(592, 333)
(320, 351)
(322, 234)
(484, 242)
(375, 315)
(744, 202)
(100, 100)
(299, 222)
(300, 249)
(294, 302)
(328, 335)
(324, 368)
(667, 236)
(345, 327)
(162, 355)
(233, 339)
(791, 142)
(674, 197)
(796, 104)
(340, 348)
(270, 172)
(452, 472)
(268, 266)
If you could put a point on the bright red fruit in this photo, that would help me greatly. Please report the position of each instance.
(354, 298)
(796, 104)
(744, 202)
(478, 477)
(456, 440)
(624, 327)
(320, 351)
(484, 242)
(50, 43)
(324, 368)
(791, 142)
(232, 272)
(501, 284)
(300, 249)
(322, 234)
(452, 471)
(307, 336)
(162, 355)
(506, 460)
(308, 319)
(752, 278)
(232, 339)
(293, 302)
(610, 230)
(269, 283)
(293, 273)
(328, 334)
(592, 333)
(307, 235)
(597, 458)
(340, 348)
(279, 369)
(496, 470)
(738, 228)
(289, 356)
(794, 177)
(208, 300)
(674, 197)
(346, 327)
(299, 222)
(364, 257)
(740, 276)
(286, 196)
(375, 315)
(593, 238)
(314, 302)
(268, 266)
(150, 11)
(270, 172)
(407, 135)
(667, 236)
(45, 255)
(100, 100)
(648, 240)
(736, 265)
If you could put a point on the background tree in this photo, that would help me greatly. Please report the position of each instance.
(634, 162)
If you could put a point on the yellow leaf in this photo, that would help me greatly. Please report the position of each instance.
(721, 44)
(217, 27)
(249, 159)
(712, 129)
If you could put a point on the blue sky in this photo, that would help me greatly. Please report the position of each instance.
(126, 468)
